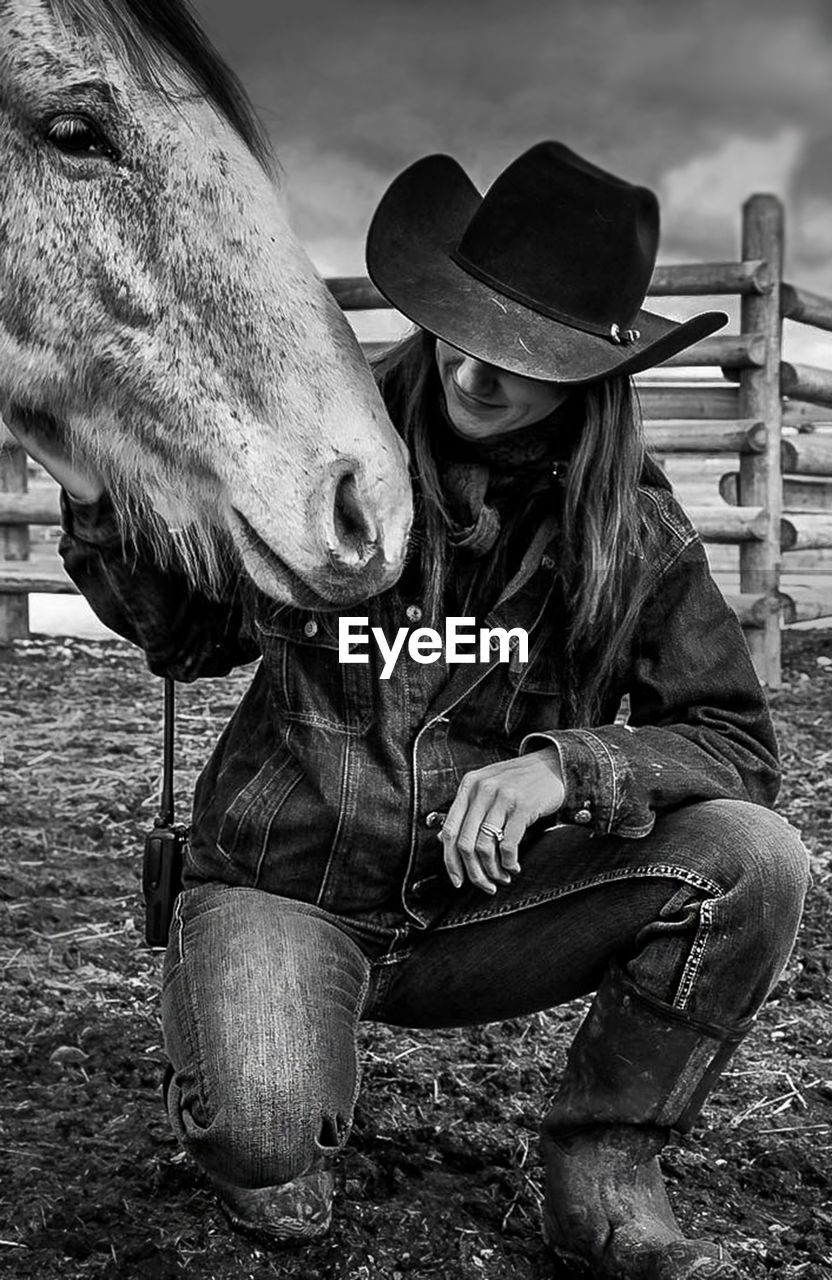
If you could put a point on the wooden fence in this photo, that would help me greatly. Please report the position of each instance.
(777, 500)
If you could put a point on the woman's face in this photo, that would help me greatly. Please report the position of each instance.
(484, 402)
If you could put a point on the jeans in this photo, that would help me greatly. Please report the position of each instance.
(262, 995)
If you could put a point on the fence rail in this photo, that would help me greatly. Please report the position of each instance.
(758, 409)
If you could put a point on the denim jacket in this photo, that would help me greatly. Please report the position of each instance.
(329, 784)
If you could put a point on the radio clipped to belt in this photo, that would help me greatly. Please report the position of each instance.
(164, 847)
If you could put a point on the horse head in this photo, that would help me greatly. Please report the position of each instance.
(157, 311)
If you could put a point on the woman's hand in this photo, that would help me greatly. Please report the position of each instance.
(43, 441)
(508, 796)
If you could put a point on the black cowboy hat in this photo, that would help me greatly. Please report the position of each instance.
(545, 275)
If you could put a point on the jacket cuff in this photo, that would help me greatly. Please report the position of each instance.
(597, 783)
(92, 522)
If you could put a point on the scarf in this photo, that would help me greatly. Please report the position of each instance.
(485, 482)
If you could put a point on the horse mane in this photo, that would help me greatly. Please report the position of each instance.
(146, 31)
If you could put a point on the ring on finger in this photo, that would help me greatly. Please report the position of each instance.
(496, 832)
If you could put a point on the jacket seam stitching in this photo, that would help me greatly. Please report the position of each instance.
(256, 792)
(602, 754)
(686, 538)
(342, 806)
(264, 848)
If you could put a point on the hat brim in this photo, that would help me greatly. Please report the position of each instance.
(415, 229)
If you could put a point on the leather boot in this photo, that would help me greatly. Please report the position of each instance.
(636, 1069)
(295, 1213)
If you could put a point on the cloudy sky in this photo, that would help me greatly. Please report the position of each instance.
(705, 101)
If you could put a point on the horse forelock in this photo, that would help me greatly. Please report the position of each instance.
(157, 35)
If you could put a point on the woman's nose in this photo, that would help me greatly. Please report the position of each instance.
(475, 377)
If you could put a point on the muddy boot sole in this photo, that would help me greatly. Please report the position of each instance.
(607, 1214)
(665, 1263)
(288, 1216)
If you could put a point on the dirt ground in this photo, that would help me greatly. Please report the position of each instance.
(441, 1177)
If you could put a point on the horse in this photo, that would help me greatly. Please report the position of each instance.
(159, 318)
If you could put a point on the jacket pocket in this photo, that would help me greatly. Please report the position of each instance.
(534, 694)
(245, 829)
(307, 682)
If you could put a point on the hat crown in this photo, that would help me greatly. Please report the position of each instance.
(565, 238)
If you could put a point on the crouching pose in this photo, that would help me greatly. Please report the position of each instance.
(458, 835)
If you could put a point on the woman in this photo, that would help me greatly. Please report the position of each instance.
(463, 842)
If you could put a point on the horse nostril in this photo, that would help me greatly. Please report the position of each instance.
(353, 530)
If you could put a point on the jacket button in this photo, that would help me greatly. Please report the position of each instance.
(547, 562)
(414, 613)
(310, 628)
(583, 816)
(434, 819)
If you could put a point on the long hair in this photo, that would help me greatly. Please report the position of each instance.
(409, 382)
(604, 567)
(601, 561)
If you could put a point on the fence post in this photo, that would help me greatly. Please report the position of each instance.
(14, 539)
(760, 479)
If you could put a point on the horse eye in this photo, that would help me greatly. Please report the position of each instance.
(78, 136)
